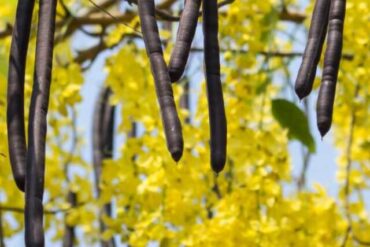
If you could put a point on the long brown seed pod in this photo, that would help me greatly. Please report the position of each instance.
(216, 107)
(103, 130)
(170, 119)
(15, 98)
(108, 147)
(325, 101)
(312, 52)
(98, 139)
(38, 124)
(185, 35)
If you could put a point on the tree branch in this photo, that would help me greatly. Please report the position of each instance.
(69, 231)
(54, 211)
(7, 31)
(2, 244)
(92, 53)
(291, 16)
(347, 185)
(93, 17)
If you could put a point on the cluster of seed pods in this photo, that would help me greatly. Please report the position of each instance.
(28, 159)
(164, 75)
(327, 21)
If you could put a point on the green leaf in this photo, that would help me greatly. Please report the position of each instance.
(292, 118)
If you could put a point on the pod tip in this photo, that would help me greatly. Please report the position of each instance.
(176, 155)
(19, 181)
(174, 75)
(323, 127)
(301, 93)
(217, 170)
(218, 158)
(217, 167)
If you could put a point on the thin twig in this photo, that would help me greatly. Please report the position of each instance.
(282, 54)
(2, 244)
(346, 236)
(306, 154)
(53, 211)
(113, 17)
(216, 187)
(69, 231)
(7, 31)
(347, 185)
(361, 242)
(74, 140)
(104, 5)
(71, 25)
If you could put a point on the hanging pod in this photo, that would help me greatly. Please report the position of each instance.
(333, 54)
(35, 169)
(103, 137)
(312, 52)
(170, 119)
(217, 118)
(327, 20)
(15, 91)
(185, 35)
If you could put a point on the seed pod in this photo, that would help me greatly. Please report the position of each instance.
(170, 119)
(216, 107)
(38, 124)
(34, 223)
(103, 130)
(185, 35)
(332, 58)
(98, 132)
(108, 127)
(149, 27)
(15, 107)
(108, 146)
(312, 53)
